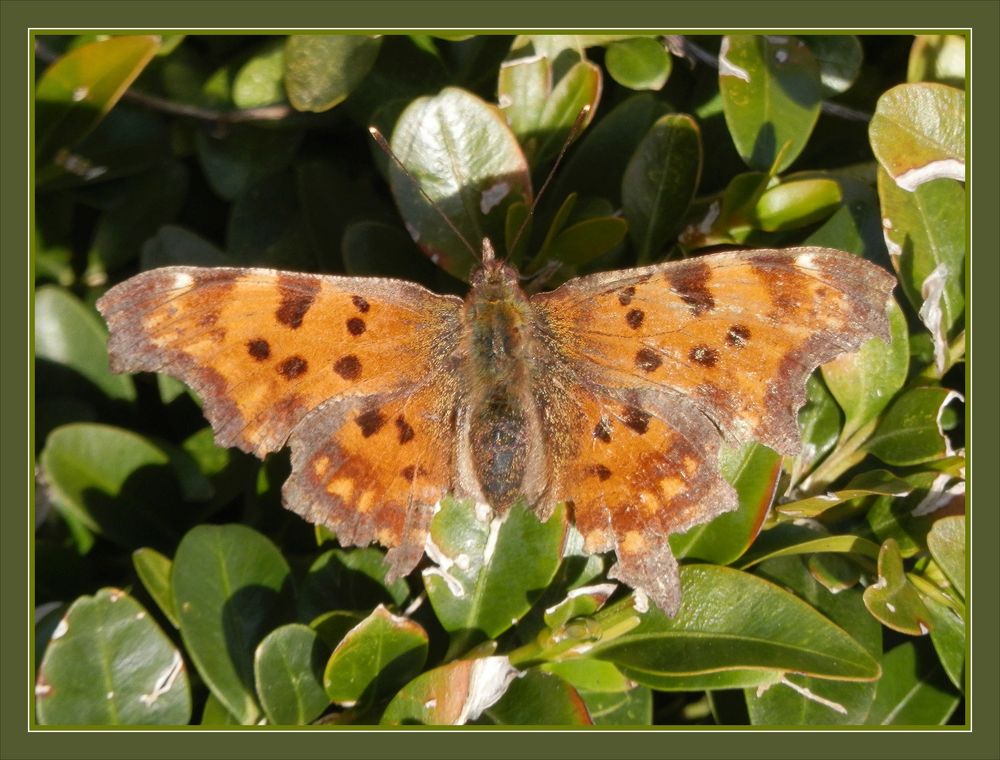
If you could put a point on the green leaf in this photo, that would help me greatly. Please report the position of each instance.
(910, 431)
(839, 57)
(154, 571)
(819, 426)
(798, 700)
(753, 471)
(937, 58)
(321, 70)
(538, 699)
(640, 63)
(376, 249)
(949, 640)
(579, 602)
(177, 246)
(872, 482)
(374, 659)
(946, 542)
(230, 589)
(119, 484)
(463, 155)
(581, 243)
(332, 626)
(489, 572)
(288, 668)
(806, 541)
(913, 690)
(918, 134)
(154, 199)
(908, 519)
(593, 676)
(771, 95)
(864, 382)
(523, 86)
(597, 162)
(452, 694)
(259, 81)
(71, 349)
(720, 631)
(349, 580)
(660, 181)
(925, 235)
(626, 708)
(215, 713)
(108, 663)
(79, 89)
(892, 599)
(244, 155)
(580, 87)
(796, 203)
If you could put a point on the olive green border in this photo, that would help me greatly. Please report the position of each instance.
(16, 16)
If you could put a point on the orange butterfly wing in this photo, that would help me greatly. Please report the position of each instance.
(351, 371)
(698, 351)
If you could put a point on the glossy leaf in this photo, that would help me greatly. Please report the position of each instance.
(581, 243)
(580, 87)
(118, 483)
(864, 382)
(717, 633)
(925, 235)
(753, 471)
(590, 675)
(259, 81)
(910, 431)
(872, 482)
(154, 571)
(908, 519)
(937, 58)
(108, 663)
(839, 57)
(660, 181)
(489, 572)
(918, 134)
(155, 199)
(597, 162)
(288, 668)
(771, 94)
(640, 63)
(819, 426)
(892, 599)
(798, 700)
(215, 714)
(797, 203)
(579, 602)
(70, 335)
(627, 708)
(523, 86)
(244, 155)
(349, 580)
(946, 542)
(176, 246)
(230, 588)
(464, 156)
(949, 639)
(321, 70)
(453, 694)
(375, 249)
(374, 659)
(913, 690)
(809, 542)
(538, 699)
(331, 627)
(79, 89)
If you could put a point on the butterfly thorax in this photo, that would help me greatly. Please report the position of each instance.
(500, 420)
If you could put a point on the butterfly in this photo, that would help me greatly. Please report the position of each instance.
(612, 393)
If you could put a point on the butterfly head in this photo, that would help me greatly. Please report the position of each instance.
(495, 280)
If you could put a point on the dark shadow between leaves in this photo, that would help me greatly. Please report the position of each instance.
(248, 615)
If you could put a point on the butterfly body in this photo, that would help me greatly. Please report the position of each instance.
(612, 393)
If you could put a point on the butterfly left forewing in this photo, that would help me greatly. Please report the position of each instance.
(355, 372)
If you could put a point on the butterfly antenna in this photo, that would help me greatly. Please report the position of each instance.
(574, 132)
(384, 145)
